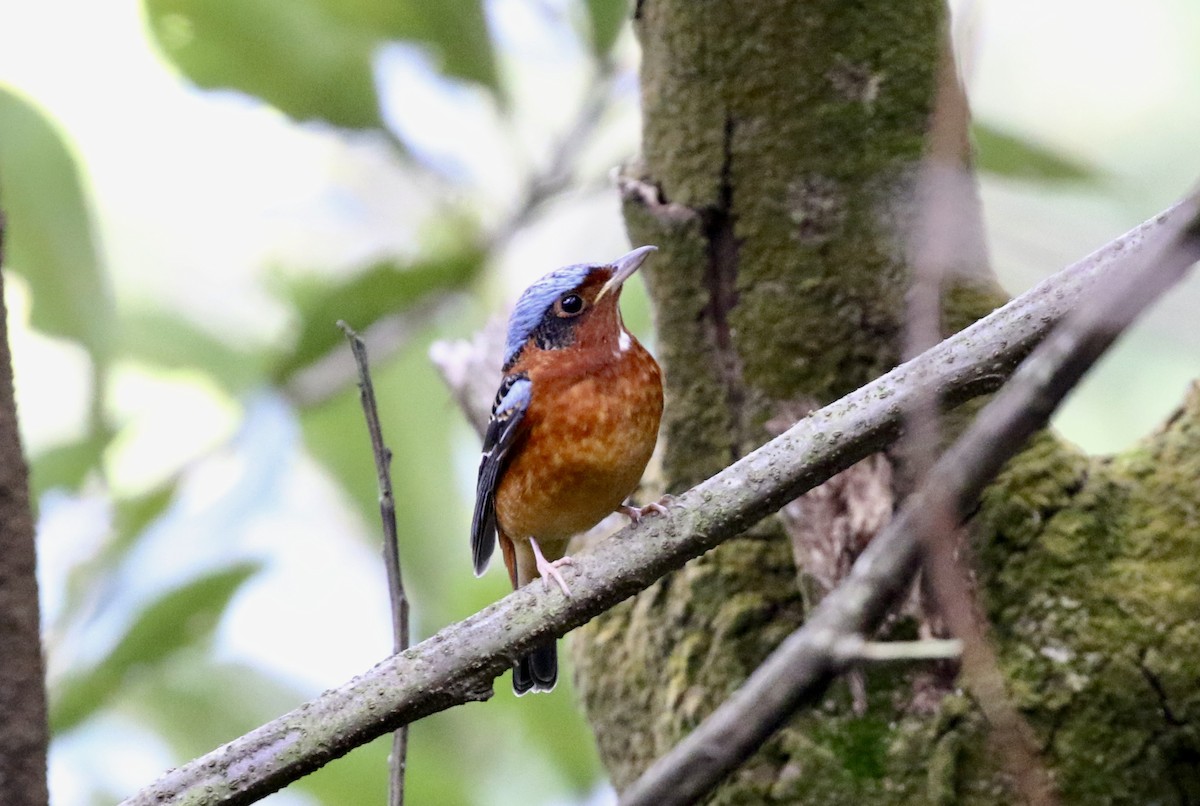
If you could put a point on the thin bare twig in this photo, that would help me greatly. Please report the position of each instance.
(800, 670)
(469, 368)
(325, 377)
(948, 234)
(854, 649)
(458, 664)
(391, 548)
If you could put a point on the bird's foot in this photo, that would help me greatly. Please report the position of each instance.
(549, 570)
(637, 513)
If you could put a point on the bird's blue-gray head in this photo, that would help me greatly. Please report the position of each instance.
(551, 307)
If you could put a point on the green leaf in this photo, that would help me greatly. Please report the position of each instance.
(607, 17)
(1010, 155)
(455, 30)
(67, 465)
(49, 237)
(383, 289)
(169, 341)
(313, 58)
(184, 616)
(291, 53)
(133, 515)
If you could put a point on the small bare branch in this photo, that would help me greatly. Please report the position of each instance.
(853, 649)
(948, 238)
(469, 368)
(391, 547)
(328, 375)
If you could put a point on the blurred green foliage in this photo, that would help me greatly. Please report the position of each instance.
(377, 292)
(50, 239)
(67, 465)
(158, 339)
(313, 58)
(290, 52)
(180, 618)
(1007, 154)
(607, 17)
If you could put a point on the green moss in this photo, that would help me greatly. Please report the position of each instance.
(860, 743)
(1090, 568)
(944, 762)
(965, 302)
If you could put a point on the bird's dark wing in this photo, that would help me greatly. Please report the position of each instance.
(512, 401)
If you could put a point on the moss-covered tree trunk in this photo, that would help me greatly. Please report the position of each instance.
(779, 137)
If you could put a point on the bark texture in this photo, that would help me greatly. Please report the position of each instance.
(23, 731)
(779, 140)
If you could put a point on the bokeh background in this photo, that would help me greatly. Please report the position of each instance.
(197, 190)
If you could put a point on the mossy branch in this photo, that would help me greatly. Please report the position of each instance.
(458, 664)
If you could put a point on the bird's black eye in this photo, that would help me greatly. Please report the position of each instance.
(571, 304)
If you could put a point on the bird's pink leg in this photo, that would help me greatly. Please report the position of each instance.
(549, 570)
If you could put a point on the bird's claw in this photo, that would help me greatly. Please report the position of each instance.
(661, 506)
(549, 570)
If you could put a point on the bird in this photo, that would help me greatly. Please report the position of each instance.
(572, 428)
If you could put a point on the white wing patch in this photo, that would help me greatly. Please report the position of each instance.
(507, 412)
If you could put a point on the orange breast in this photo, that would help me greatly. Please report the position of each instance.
(590, 429)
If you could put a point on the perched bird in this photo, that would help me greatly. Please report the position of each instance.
(572, 428)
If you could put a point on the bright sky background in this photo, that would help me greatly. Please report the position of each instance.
(1114, 83)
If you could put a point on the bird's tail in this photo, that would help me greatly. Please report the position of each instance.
(537, 671)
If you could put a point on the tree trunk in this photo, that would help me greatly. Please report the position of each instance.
(23, 732)
(780, 141)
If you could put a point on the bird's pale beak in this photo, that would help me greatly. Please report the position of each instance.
(624, 267)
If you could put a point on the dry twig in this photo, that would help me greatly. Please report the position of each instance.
(948, 236)
(391, 548)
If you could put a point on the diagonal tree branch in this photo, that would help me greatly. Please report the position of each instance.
(798, 673)
(458, 664)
